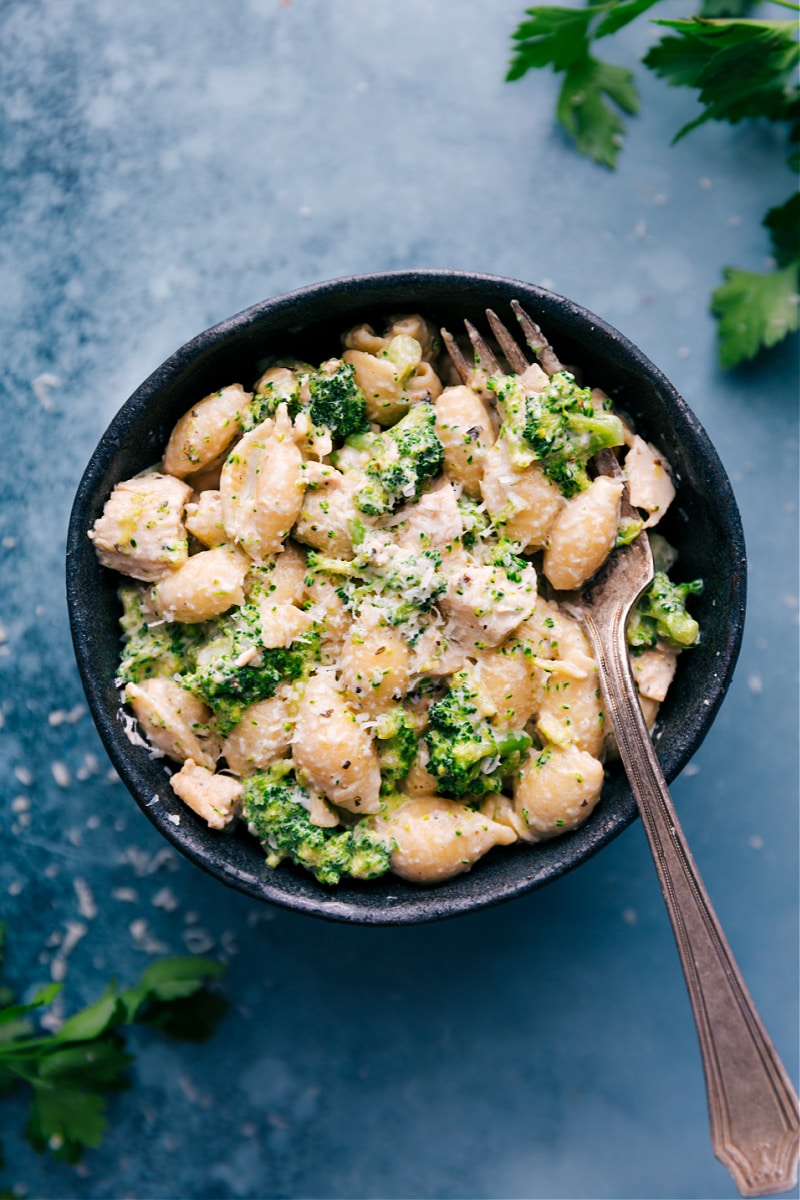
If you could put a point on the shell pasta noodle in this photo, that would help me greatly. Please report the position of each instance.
(340, 605)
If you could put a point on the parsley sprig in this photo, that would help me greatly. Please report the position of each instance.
(741, 69)
(70, 1073)
(562, 38)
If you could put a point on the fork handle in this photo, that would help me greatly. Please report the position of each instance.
(752, 1105)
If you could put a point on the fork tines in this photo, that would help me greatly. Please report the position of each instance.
(485, 356)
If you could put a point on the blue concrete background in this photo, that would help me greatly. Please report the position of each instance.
(164, 165)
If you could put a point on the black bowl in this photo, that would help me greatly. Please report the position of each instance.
(703, 524)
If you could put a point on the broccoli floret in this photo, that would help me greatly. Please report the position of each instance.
(151, 646)
(559, 428)
(475, 521)
(228, 685)
(565, 430)
(467, 755)
(628, 531)
(337, 402)
(276, 809)
(661, 615)
(399, 581)
(266, 401)
(505, 555)
(402, 459)
(396, 745)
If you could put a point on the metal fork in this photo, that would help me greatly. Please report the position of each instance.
(753, 1109)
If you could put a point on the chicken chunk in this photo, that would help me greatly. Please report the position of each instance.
(649, 481)
(212, 797)
(435, 520)
(484, 605)
(174, 720)
(141, 531)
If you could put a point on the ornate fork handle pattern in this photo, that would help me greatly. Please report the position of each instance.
(752, 1105)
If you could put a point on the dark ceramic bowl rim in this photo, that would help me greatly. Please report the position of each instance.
(368, 903)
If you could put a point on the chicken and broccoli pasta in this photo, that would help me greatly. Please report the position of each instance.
(341, 616)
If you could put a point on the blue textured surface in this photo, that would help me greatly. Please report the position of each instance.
(165, 165)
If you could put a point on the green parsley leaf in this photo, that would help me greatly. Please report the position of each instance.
(582, 109)
(43, 997)
(741, 68)
(171, 978)
(70, 1072)
(555, 37)
(783, 223)
(187, 1019)
(561, 38)
(89, 1064)
(64, 1120)
(727, 8)
(755, 310)
(619, 14)
(93, 1020)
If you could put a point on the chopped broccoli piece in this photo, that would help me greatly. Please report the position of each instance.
(397, 746)
(559, 425)
(628, 531)
(402, 459)
(505, 555)
(229, 685)
(266, 401)
(661, 615)
(337, 402)
(276, 808)
(475, 521)
(467, 755)
(151, 646)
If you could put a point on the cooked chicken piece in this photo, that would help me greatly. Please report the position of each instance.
(204, 519)
(212, 797)
(141, 532)
(435, 520)
(483, 604)
(653, 671)
(174, 720)
(281, 623)
(649, 481)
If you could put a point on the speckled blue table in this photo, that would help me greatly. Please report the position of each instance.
(165, 165)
